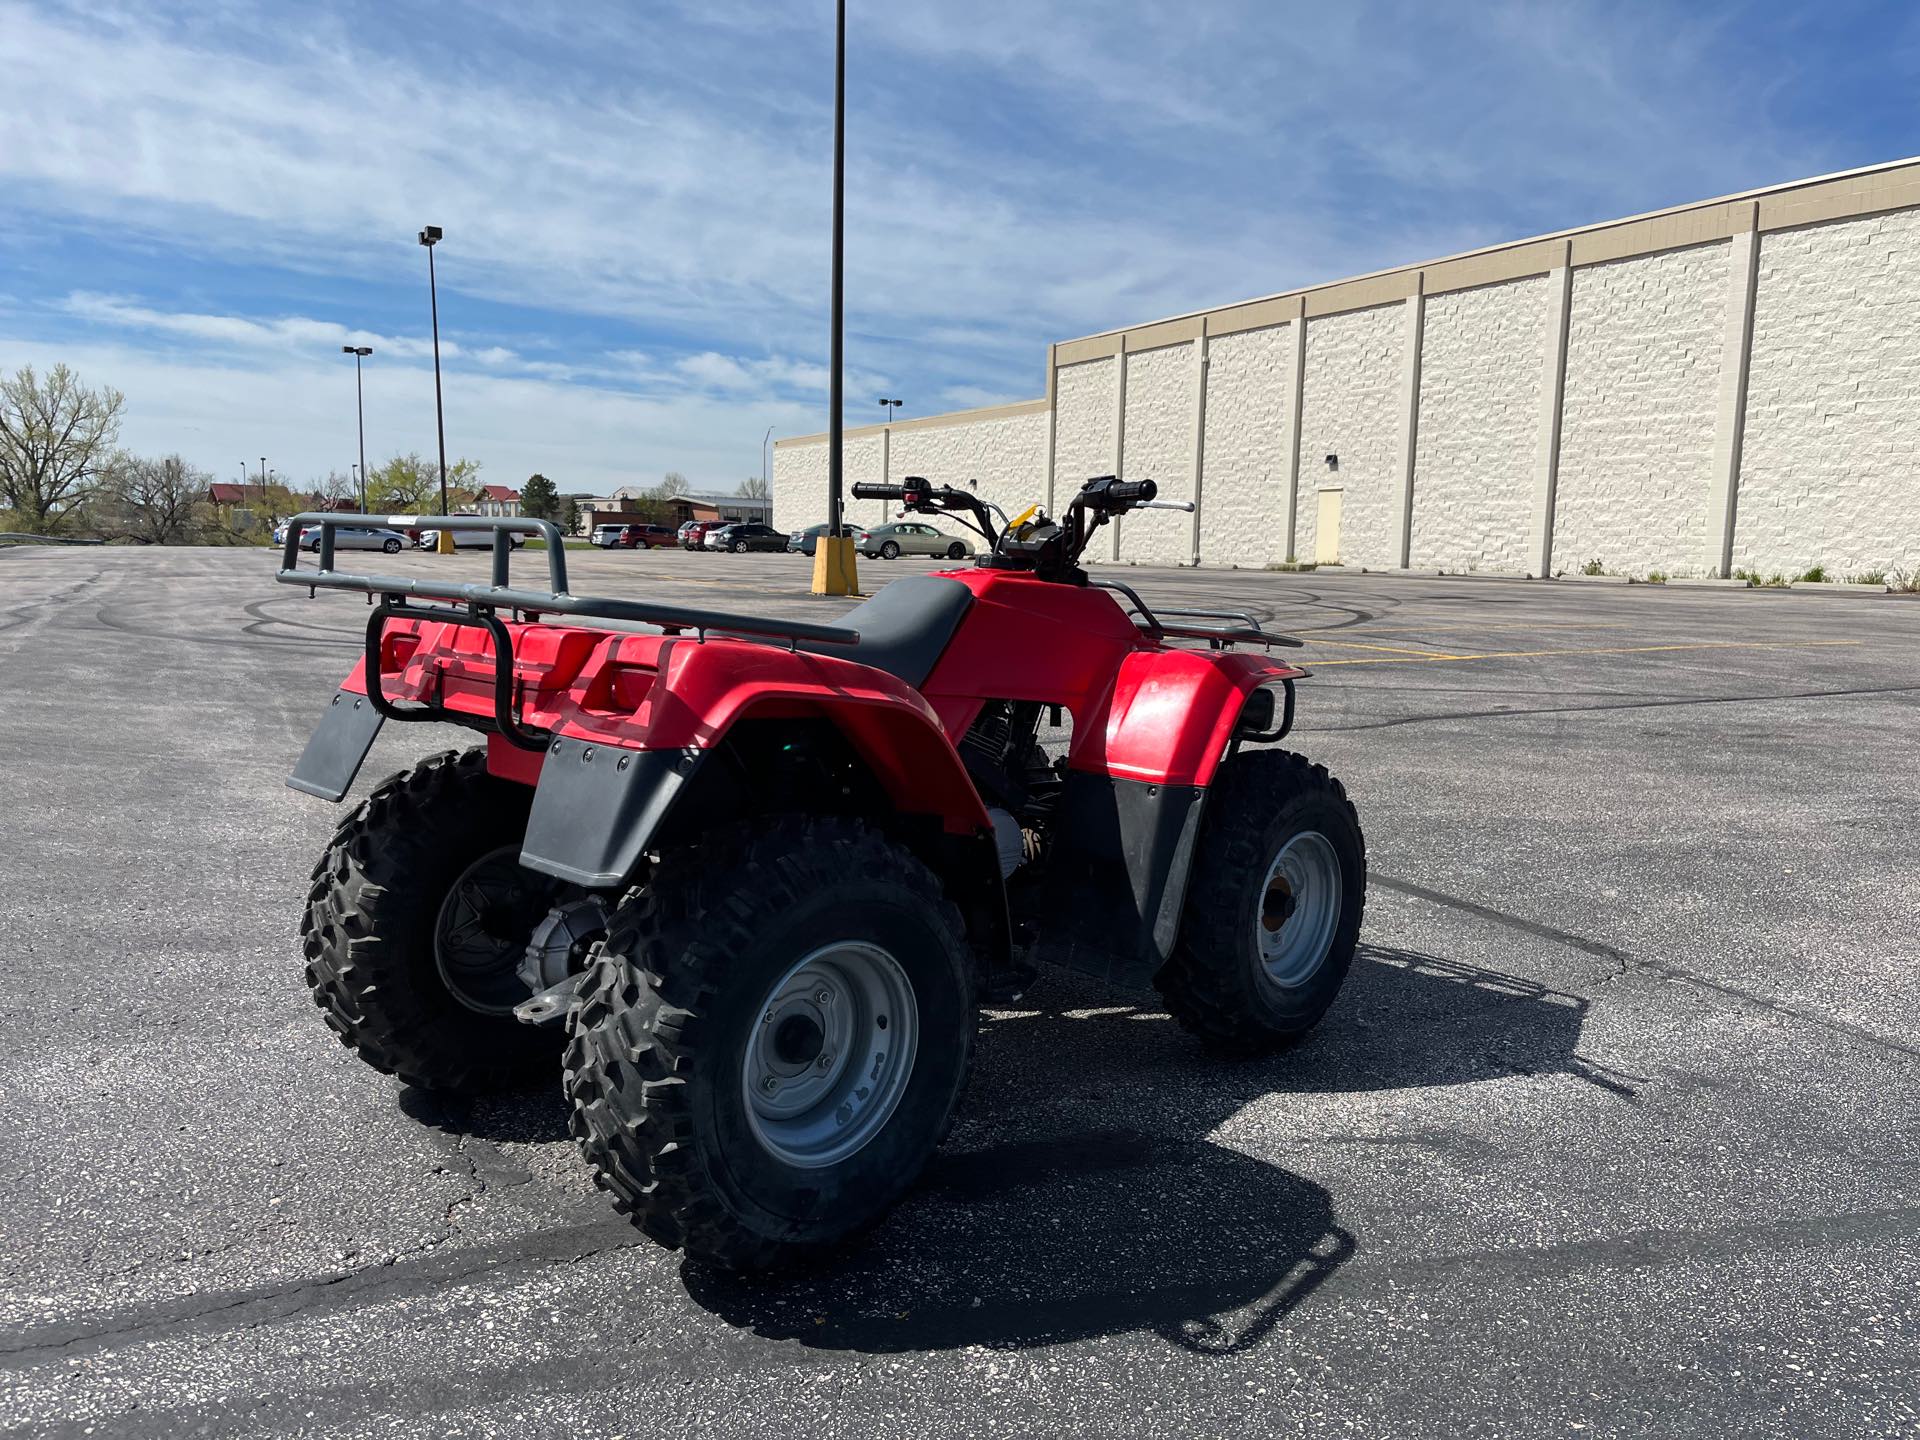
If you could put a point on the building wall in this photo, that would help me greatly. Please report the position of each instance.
(1007, 455)
(1083, 426)
(1737, 379)
(1481, 367)
(1350, 407)
(1637, 423)
(1246, 455)
(1830, 470)
(1159, 447)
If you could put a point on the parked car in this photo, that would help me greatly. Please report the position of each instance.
(742, 536)
(467, 539)
(909, 537)
(805, 542)
(695, 531)
(354, 537)
(632, 537)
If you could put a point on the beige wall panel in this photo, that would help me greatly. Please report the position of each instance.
(1644, 341)
(1244, 484)
(1479, 439)
(1350, 407)
(1083, 427)
(1008, 456)
(1830, 470)
(799, 486)
(1160, 448)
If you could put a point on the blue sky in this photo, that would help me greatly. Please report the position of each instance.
(203, 202)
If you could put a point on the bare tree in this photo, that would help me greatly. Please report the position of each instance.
(56, 439)
(673, 483)
(752, 488)
(163, 502)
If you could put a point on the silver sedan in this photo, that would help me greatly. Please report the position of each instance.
(909, 537)
(358, 537)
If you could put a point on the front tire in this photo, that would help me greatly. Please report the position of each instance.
(392, 547)
(1273, 913)
(772, 1040)
(416, 923)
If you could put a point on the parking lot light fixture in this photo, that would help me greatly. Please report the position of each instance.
(430, 236)
(890, 407)
(359, 353)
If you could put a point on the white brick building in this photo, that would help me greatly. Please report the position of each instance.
(1734, 383)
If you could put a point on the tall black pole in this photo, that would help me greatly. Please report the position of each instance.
(360, 398)
(839, 222)
(439, 415)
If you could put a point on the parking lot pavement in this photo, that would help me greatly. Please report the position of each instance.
(1613, 1131)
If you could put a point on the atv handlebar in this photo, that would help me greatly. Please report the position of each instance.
(864, 491)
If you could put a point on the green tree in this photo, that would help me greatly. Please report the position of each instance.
(540, 500)
(56, 444)
(410, 485)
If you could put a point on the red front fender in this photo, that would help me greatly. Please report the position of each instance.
(1171, 713)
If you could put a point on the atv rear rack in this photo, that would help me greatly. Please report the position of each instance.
(1217, 637)
(482, 604)
(500, 594)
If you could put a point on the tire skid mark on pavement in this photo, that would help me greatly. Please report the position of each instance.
(1633, 704)
(1629, 964)
(1598, 650)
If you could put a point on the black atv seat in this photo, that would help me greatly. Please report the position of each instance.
(904, 628)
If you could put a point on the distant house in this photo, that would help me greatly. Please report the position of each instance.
(496, 500)
(228, 493)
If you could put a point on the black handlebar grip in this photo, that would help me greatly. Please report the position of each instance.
(1126, 492)
(864, 491)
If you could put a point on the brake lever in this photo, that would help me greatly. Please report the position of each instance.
(1185, 506)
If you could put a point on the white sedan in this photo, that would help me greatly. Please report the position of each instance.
(468, 540)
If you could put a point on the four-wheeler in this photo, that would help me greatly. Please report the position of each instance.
(908, 537)
(743, 883)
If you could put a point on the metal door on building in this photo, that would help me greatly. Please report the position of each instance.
(1326, 531)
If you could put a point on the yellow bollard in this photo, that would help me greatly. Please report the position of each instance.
(444, 546)
(833, 568)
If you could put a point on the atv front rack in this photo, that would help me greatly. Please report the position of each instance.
(1218, 637)
(477, 605)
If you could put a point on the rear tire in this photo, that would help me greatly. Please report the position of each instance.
(374, 920)
(889, 551)
(1273, 912)
(739, 547)
(715, 1129)
(956, 551)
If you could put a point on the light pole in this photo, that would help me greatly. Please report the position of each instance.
(263, 480)
(360, 352)
(360, 484)
(833, 572)
(429, 237)
(891, 405)
(765, 440)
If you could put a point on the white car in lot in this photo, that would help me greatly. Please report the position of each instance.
(467, 540)
(354, 537)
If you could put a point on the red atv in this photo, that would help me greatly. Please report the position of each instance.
(757, 876)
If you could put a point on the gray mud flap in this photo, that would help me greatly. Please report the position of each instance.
(337, 748)
(597, 807)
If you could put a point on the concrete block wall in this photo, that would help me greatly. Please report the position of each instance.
(1730, 383)
(1247, 455)
(1159, 445)
(1830, 470)
(1349, 409)
(1481, 369)
(1637, 421)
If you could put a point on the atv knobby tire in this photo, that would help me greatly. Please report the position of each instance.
(369, 929)
(662, 1047)
(1217, 983)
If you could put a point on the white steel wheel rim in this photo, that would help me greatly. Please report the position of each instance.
(1299, 910)
(830, 1055)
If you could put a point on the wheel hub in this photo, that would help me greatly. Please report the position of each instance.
(480, 935)
(1299, 910)
(830, 1054)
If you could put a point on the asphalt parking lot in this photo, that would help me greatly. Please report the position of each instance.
(1613, 1131)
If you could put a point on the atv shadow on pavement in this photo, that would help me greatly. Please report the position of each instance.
(1106, 1210)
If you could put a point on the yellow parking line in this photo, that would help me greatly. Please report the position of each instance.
(1387, 649)
(1608, 650)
